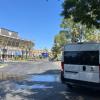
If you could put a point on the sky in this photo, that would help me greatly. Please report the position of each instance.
(35, 20)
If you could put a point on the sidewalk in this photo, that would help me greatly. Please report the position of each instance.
(3, 65)
(57, 63)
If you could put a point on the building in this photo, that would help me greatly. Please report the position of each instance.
(40, 52)
(11, 45)
(37, 52)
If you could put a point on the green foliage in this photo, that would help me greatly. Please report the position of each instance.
(59, 41)
(92, 34)
(80, 22)
(55, 50)
(74, 30)
(86, 12)
(78, 33)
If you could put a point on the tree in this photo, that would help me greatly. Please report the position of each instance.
(92, 35)
(55, 50)
(59, 41)
(86, 12)
(78, 32)
(74, 30)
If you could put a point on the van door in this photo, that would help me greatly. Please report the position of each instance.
(71, 70)
(90, 66)
(82, 65)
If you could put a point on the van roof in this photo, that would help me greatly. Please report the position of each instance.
(83, 43)
(82, 46)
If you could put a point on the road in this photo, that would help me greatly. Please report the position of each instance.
(39, 81)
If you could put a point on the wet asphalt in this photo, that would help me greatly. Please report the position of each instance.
(39, 81)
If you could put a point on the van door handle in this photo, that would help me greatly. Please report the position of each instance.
(84, 68)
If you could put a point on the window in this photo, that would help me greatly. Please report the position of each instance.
(81, 57)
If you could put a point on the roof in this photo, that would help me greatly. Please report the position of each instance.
(83, 43)
(9, 30)
(88, 46)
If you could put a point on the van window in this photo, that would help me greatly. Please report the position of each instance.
(81, 57)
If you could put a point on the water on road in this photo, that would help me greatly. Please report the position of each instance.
(41, 82)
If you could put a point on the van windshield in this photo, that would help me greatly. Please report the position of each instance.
(81, 57)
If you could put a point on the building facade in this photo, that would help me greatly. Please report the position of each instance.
(40, 52)
(11, 45)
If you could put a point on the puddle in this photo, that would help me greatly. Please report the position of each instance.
(44, 78)
(34, 82)
(36, 86)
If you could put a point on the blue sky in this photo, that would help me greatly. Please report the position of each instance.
(35, 20)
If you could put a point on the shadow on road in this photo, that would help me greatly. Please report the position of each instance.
(81, 93)
(43, 86)
(50, 72)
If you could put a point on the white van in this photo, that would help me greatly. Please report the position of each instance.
(81, 65)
